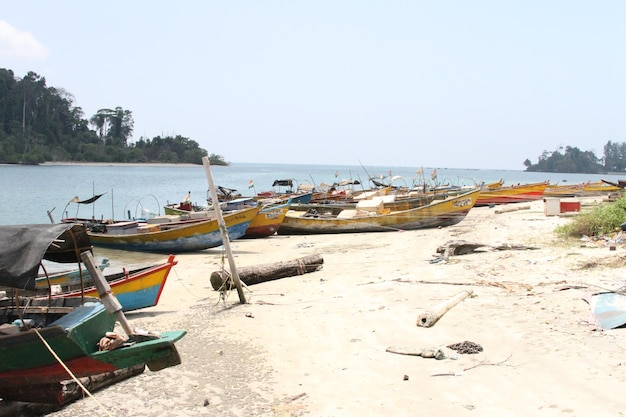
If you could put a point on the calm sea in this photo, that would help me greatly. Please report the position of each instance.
(29, 192)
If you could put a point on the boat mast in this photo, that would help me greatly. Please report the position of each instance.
(223, 230)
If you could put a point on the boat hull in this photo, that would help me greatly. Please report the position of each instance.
(136, 290)
(512, 194)
(267, 221)
(440, 213)
(194, 236)
(27, 368)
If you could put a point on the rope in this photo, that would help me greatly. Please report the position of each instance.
(70, 373)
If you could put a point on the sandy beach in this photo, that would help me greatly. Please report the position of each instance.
(316, 344)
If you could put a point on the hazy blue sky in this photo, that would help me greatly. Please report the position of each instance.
(457, 84)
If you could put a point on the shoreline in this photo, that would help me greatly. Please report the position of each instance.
(113, 164)
(317, 344)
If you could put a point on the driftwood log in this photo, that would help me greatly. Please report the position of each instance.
(429, 317)
(463, 247)
(267, 272)
(437, 353)
(511, 209)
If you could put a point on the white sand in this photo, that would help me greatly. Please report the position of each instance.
(315, 344)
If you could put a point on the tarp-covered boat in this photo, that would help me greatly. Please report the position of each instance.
(29, 371)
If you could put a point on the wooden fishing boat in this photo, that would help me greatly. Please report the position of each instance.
(172, 235)
(136, 289)
(391, 202)
(373, 217)
(28, 370)
(512, 194)
(602, 187)
(268, 220)
(46, 280)
(564, 190)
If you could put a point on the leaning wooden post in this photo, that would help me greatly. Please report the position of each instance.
(223, 230)
(430, 317)
(111, 304)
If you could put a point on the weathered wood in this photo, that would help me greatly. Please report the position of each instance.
(52, 397)
(224, 231)
(429, 317)
(463, 247)
(436, 352)
(267, 272)
(512, 208)
(71, 391)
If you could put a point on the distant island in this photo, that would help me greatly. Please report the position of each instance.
(573, 160)
(41, 124)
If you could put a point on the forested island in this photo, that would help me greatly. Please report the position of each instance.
(41, 124)
(573, 160)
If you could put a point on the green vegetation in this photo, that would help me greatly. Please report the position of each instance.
(601, 220)
(573, 160)
(40, 124)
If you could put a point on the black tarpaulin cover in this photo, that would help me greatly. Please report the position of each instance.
(90, 200)
(283, 183)
(22, 247)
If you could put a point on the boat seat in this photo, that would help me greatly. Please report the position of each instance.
(78, 315)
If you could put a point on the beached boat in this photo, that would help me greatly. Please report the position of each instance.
(265, 223)
(512, 194)
(603, 187)
(135, 289)
(564, 190)
(170, 234)
(371, 216)
(28, 370)
(268, 220)
(47, 279)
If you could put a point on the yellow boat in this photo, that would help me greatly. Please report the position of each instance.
(564, 190)
(372, 216)
(601, 187)
(174, 236)
(512, 194)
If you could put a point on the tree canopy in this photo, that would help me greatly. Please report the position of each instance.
(573, 160)
(41, 124)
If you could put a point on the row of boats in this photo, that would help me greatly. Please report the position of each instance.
(64, 311)
(187, 227)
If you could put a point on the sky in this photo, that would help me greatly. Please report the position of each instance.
(451, 83)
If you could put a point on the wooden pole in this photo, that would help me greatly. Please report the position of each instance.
(223, 230)
(430, 317)
(105, 293)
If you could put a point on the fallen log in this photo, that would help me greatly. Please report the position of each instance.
(267, 272)
(430, 317)
(512, 208)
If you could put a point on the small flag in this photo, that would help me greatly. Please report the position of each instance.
(336, 174)
(420, 171)
(251, 184)
(434, 174)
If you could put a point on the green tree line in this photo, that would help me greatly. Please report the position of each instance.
(573, 160)
(41, 124)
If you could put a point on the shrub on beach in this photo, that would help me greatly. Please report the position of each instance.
(601, 220)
